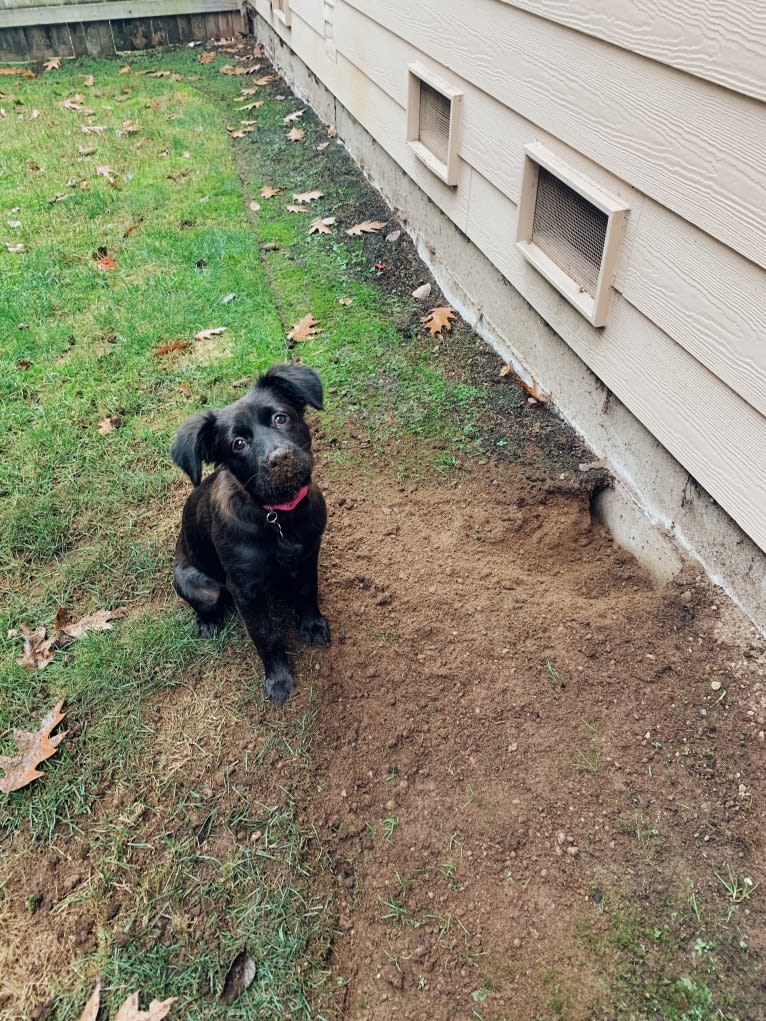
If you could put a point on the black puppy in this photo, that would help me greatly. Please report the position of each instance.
(252, 528)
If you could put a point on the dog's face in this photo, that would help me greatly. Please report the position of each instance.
(262, 438)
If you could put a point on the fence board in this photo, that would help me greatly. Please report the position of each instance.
(62, 14)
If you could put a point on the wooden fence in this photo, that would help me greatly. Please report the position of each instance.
(31, 31)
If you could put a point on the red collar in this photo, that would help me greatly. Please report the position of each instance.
(291, 504)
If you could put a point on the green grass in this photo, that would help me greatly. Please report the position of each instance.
(186, 871)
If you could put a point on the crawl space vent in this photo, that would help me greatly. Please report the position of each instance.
(433, 122)
(280, 10)
(570, 230)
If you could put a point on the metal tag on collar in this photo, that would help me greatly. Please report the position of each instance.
(271, 519)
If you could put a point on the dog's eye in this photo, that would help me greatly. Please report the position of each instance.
(279, 418)
(239, 445)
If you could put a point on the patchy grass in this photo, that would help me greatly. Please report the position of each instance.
(182, 871)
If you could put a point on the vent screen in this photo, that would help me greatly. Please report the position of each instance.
(434, 121)
(569, 230)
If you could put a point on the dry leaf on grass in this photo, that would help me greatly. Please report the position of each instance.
(365, 227)
(92, 129)
(293, 116)
(212, 331)
(175, 345)
(38, 650)
(130, 127)
(101, 620)
(322, 225)
(535, 394)
(295, 134)
(34, 747)
(297, 209)
(129, 1011)
(332, 131)
(304, 329)
(206, 58)
(439, 319)
(321, 147)
(266, 79)
(90, 1012)
(251, 106)
(238, 978)
(89, 81)
(106, 263)
(15, 249)
(54, 64)
(267, 192)
(307, 196)
(20, 72)
(345, 300)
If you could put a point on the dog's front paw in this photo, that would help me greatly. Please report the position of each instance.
(279, 684)
(207, 628)
(314, 631)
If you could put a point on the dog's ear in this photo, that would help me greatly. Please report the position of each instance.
(297, 384)
(194, 444)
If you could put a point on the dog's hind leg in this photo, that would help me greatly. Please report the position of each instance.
(205, 595)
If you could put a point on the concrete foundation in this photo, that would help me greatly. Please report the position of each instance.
(655, 508)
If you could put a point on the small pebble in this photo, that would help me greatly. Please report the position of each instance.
(715, 685)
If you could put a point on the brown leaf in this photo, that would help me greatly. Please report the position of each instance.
(92, 129)
(54, 64)
(89, 81)
(106, 172)
(267, 192)
(297, 209)
(206, 58)
(332, 131)
(259, 51)
(130, 127)
(125, 69)
(20, 72)
(307, 196)
(266, 79)
(322, 225)
(211, 332)
(175, 345)
(295, 134)
(239, 976)
(251, 69)
(293, 116)
(256, 105)
(38, 650)
(90, 1012)
(439, 319)
(158, 74)
(106, 263)
(98, 621)
(105, 426)
(365, 227)
(304, 329)
(34, 747)
(157, 1009)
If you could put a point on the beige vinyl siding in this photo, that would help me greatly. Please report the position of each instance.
(685, 343)
(721, 42)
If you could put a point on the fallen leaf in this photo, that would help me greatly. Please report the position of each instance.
(131, 228)
(345, 300)
(92, 129)
(54, 64)
(307, 196)
(268, 192)
(206, 58)
(38, 650)
(158, 74)
(421, 292)
(322, 146)
(594, 465)
(106, 263)
(89, 81)
(105, 426)
(250, 106)
(259, 51)
(228, 298)
(86, 150)
(130, 127)
(239, 976)
(157, 1009)
(20, 72)
(365, 227)
(98, 621)
(174, 345)
(295, 134)
(238, 132)
(322, 225)
(251, 69)
(76, 103)
(14, 224)
(439, 319)
(125, 69)
(297, 209)
(15, 249)
(211, 332)
(90, 1012)
(304, 329)
(332, 131)
(536, 395)
(293, 116)
(34, 747)
(58, 198)
(266, 79)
